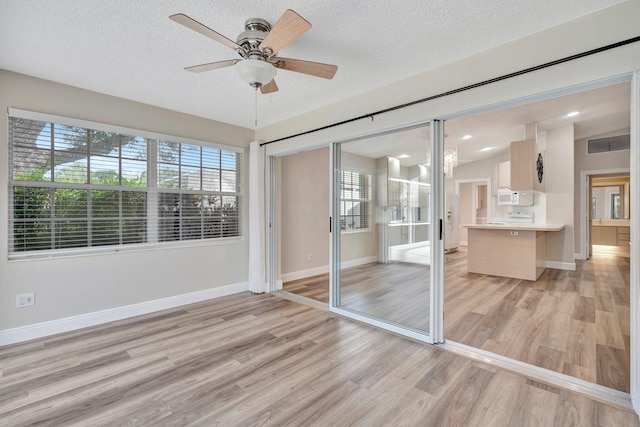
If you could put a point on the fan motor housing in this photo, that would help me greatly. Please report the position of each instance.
(256, 30)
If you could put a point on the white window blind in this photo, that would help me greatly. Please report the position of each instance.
(77, 187)
(199, 192)
(355, 201)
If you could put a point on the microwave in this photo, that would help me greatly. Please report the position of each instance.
(508, 197)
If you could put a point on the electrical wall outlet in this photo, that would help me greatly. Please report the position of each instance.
(25, 300)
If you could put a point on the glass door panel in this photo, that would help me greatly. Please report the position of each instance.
(383, 190)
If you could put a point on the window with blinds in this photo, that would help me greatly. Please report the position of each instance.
(198, 192)
(73, 187)
(355, 201)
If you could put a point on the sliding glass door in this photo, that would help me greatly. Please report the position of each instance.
(383, 239)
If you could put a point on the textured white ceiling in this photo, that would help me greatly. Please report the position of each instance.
(130, 49)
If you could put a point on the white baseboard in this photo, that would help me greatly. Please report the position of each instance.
(571, 266)
(303, 274)
(44, 329)
(316, 271)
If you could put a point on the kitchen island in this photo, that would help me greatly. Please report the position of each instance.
(509, 250)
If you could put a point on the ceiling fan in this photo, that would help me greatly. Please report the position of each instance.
(258, 47)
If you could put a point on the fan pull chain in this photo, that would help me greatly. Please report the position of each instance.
(255, 123)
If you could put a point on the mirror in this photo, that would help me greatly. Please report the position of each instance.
(610, 197)
(608, 202)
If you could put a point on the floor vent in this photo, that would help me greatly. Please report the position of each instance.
(611, 143)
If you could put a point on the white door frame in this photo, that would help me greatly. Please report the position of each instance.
(635, 241)
(583, 225)
(476, 181)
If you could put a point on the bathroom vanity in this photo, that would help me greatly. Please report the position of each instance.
(612, 233)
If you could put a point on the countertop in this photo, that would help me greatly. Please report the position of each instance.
(517, 226)
(611, 222)
(401, 223)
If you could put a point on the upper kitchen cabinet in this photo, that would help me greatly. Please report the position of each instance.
(527, 166)
(501, 177)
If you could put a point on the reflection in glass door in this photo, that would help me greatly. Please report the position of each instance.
(382, 197)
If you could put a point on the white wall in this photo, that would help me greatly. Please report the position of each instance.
(465, 208)
(304, 210)
(78, 285)
(482, 169)
(559, 193)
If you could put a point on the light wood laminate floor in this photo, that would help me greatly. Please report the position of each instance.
(246, 360)
(573, 322)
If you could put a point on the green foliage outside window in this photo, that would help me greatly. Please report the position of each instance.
(74, 187)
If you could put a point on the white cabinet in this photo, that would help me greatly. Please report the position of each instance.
(504, 174)
(501, 177)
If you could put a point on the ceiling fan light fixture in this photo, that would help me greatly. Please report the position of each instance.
(256, 72)
(258, 46)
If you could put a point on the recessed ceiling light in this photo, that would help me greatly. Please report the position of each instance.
(467, 137)
(573, 113)
(404, 156)
(487, 149)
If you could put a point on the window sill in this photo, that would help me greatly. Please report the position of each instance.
(362, 230)
(111, 250)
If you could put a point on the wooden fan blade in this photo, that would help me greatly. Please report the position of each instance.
(191, 23)
(269, 87)
(289, 27)
(212, 65)
(326, 71)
